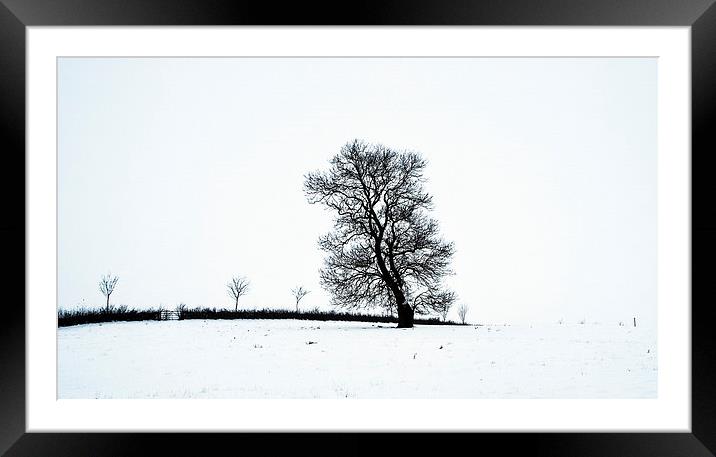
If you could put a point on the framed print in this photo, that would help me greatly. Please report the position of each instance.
(484, 220)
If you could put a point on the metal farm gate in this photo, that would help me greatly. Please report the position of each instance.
(169, 315)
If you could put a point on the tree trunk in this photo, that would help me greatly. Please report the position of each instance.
(236, 306)
(107, 306)
(405, 316)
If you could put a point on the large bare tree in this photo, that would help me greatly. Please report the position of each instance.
(237, 287)
(385, 250)
(107, 285)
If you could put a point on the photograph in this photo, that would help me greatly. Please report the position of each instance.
(357, 227)
(373, 226)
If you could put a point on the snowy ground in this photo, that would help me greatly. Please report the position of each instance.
(310, 359)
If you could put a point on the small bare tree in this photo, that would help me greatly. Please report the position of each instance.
(443, 310)
(462, 311)
(238, 286)
(298, 293)
(107, 285)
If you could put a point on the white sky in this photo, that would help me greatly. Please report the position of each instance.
(176, 174)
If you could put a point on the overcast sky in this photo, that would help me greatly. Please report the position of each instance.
(176, 174)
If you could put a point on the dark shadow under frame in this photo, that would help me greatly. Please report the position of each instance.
(16, 15)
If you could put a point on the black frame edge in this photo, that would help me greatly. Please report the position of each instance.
(526, 444)
(367, 12)
(703, 217)
(700, 14)
(12, 227)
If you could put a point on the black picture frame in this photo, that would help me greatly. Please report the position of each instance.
(16, 15)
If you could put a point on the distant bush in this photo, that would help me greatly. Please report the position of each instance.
(67, 317)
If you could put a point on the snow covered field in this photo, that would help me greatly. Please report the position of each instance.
(311, 359)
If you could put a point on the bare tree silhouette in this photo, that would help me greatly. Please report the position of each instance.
(443, 311)
(384, 250)
(298, 293)
(238, 286)
(462, 311)
(107, 285)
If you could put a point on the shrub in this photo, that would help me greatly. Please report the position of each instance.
(84, 315)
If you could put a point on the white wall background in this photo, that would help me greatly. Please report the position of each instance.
(177, 173)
